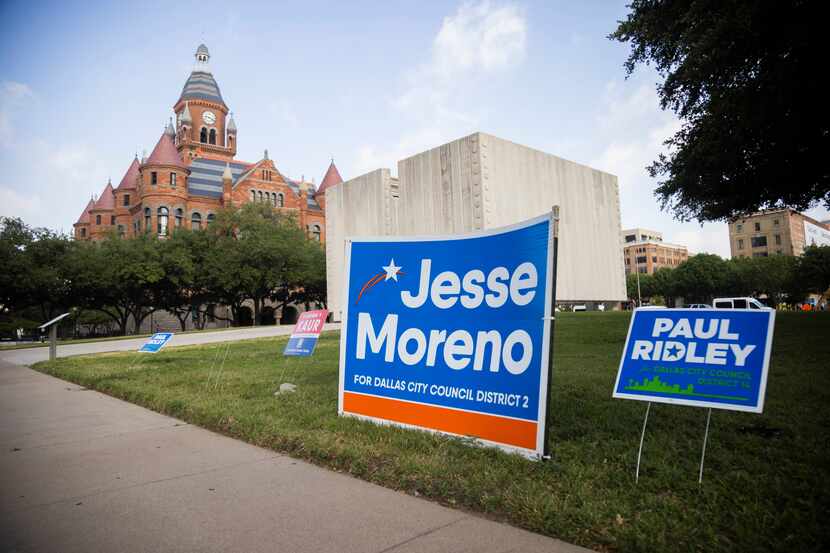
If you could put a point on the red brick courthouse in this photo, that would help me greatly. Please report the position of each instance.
(192, 172)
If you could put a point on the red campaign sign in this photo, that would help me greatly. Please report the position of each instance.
(308, 328)
(311, 322)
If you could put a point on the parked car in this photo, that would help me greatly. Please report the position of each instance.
(699, 306)
(580, 307)
(738, 303)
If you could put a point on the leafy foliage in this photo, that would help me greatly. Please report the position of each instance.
(782, 279)
(249, 254)
(742, 75)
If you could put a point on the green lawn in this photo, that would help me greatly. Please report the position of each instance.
(767, 480)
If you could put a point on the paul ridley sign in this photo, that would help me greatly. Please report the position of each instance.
(451, 334)
(306, 332)
(156, 342)
(709, 358)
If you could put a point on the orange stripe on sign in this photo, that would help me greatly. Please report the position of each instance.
(488, 427)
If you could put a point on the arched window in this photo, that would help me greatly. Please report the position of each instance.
(253, 195)
(203, 135)
(274, 199)
(212, 136)
(179, 216)
(280, 200)
(196, 221)
(211, 218)
(97, 219)
(260, 195)
(83, 233)
(147, 214)
(315, 232)
(161, 220)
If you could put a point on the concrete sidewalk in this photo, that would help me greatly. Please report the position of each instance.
(83, 472)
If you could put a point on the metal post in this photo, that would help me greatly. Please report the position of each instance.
(703, 451)
(642, 437)
(555, 222)
(53, 342)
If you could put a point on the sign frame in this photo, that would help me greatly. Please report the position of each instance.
(546, 344)
(762, 389)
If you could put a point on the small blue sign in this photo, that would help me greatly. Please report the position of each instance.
(703, 357)
(156, 342)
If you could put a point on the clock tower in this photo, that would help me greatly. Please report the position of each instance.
(204, 127)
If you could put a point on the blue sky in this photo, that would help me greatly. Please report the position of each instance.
(86, 85)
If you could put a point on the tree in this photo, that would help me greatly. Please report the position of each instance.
(15, 236)
(177, 292)
(814, 265)
(742, 76)
(773, 276)
(646, 286)
(261, 254)
(701, 277)
(664, 284)
(35, 269)
(120, 277)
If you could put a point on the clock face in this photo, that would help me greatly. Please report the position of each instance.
(209, 117)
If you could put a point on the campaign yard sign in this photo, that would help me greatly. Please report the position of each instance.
(451, 334)
(705, 357)
(303, 339)
(156, 342)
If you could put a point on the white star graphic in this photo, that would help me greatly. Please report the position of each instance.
(392, 271)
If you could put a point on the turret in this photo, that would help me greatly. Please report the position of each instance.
(202, 113)
(231, 128)
(163, 188)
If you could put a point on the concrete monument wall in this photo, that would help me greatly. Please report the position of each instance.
(482, 182)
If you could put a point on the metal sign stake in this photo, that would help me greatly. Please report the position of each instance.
(703, 451)
(555, 222)
(642, 437)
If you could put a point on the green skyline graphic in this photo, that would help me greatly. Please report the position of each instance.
(656, 385)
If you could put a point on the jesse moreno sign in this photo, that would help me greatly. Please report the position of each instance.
(705, 357)
(451, 334)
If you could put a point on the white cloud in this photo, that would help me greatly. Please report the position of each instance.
(479, 40)
(58, 183)
(15, 204)
(630, 130)
(13, 96)
(709, 238)
(479, 36)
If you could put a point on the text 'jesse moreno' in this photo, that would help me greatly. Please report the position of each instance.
(458, 348)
